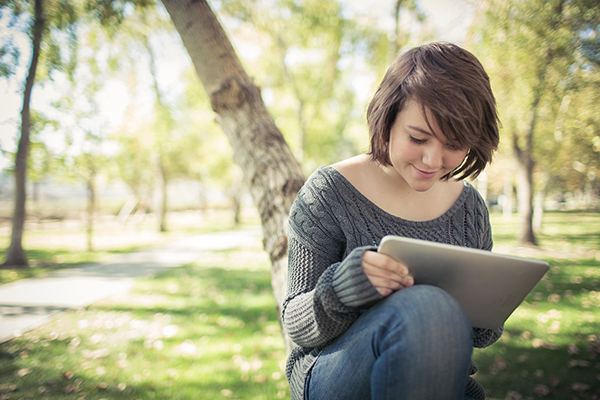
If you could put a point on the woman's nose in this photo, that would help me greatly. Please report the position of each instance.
(433, 156)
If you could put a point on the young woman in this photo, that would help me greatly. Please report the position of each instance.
(363, 329)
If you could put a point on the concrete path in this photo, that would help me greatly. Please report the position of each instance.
(29, 303)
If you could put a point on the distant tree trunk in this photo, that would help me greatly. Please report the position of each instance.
(91, 209)
(524, 178)
(524, 155)
(507, 203)
(160, 138)
(395, 42)
(160, 206)
(271, 173)
(15, 255)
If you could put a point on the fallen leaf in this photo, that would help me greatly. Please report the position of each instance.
(500, 363)
(554, 328)
(512, 395)
(71, 389)
(262, 378)
(538, 373)
(580, 387)
(522, 358)
(578, 363)
(67, 374)
(541, 390)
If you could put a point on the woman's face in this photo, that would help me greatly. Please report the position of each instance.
(419, 154)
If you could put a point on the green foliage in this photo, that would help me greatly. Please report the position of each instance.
(9, 58)
(545, 49)
(305, 65)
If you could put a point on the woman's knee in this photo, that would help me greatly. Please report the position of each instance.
(429, 308)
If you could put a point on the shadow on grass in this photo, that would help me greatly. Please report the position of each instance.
(194, 332)
(549, 371)
(44, 261)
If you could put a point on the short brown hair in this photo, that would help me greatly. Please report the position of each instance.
(450, 82)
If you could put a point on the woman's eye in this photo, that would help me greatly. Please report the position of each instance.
(453, 147)
(417, 141)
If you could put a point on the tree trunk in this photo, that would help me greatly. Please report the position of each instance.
(15, 255)
(161, 200)
(395, 43)
(271, 173)
(160, 137)
(524, 180)
(91, 209)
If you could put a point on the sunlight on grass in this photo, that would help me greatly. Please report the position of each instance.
(63, 244)
(551, 344)
(209, 330)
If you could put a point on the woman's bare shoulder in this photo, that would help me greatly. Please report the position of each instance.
(353, 167)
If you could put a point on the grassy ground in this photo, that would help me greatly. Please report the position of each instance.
(57, 244)
(551, 345)
(208, 330)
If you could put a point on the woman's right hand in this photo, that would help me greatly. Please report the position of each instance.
(385, 273)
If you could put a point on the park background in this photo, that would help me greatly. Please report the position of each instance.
(124, 151)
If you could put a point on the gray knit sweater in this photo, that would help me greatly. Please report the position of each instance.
(331, 225)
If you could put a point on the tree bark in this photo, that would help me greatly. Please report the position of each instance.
(161, 200)
(159, 139)
(91, 210)
(271, 173)
(524, 179)
(524, 155)
(15, 255)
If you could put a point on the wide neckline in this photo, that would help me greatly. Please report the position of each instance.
(435, 221)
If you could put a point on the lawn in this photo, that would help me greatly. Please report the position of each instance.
(209, 330)
(551, 344)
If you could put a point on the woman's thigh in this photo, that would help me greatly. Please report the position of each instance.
(412, 323)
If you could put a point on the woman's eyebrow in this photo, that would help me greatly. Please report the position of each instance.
(424, 131)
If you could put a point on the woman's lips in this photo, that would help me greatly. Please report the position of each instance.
(425, 174)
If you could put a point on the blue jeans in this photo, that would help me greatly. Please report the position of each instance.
(415, 344)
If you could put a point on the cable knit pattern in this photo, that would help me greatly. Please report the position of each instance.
(331, 225)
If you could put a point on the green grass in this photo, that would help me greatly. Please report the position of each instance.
(62, 244)
(551, 345)
(209, 330)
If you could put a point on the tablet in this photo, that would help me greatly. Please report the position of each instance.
(488, 286)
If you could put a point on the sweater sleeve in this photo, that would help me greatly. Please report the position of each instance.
(325, 289)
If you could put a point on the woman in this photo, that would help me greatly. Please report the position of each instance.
(362, 328)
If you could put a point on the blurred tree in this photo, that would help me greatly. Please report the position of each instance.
(271, 172)
(132, 164)
(87, 165)
(164, 143)
(49, 18)
(129, 32)
(399, 36)
(302, 46)
(81, 125)
(532, 51)
(211, 163)
(312, 56)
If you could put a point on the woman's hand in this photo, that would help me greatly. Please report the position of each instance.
(385, 273)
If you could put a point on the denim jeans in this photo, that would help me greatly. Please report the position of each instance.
(416, 344)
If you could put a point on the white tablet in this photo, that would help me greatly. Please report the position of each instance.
(488, 286)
